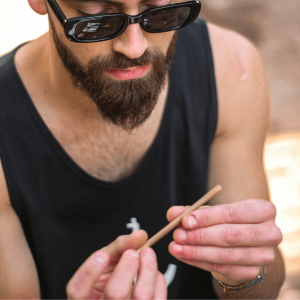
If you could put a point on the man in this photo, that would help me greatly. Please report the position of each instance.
(100, 137)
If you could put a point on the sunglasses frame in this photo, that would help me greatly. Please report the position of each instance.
(69, 25)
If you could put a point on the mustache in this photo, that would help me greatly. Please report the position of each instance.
(117, 60)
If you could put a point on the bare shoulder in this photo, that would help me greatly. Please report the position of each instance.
(236, 154)
(233, 44)
(241, 82)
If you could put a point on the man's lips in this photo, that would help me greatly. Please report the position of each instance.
(130, 73)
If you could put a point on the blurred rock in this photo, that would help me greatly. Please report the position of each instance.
(274, 27)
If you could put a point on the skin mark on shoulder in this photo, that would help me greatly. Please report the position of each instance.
(243, 70)
(236, 51)
(245, 55)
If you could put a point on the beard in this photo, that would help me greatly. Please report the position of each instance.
(125, 103)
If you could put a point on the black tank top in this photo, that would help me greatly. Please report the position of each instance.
(67, 214)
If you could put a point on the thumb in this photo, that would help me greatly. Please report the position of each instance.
(133, 241)
(81, 284)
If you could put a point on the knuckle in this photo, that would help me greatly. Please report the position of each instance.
(276, 236)
(217, 268)
(279, 236)
(192, 252)
(120, 240)
(270, 209)
(225, 255)
(229, 214)
(232, 235)
(269, 256)
(89, 271)
(202, 218)
(244, 254)
(197, 252)
(200, 236)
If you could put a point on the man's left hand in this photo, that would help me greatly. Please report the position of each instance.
(233, 241)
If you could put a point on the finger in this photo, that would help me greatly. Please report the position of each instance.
(160, 290)
(251, 211)
(145, 284)
(81, 284)
(119, 285)
(237, 273)
(176, 211)
(231, 235)
(133, 241)
(255, 256)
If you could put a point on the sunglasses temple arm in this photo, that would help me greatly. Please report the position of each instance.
(57, 11)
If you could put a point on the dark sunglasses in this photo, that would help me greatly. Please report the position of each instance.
(106, 27)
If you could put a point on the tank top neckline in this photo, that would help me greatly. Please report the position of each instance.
(68, 159)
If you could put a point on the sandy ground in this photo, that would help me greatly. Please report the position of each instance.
(274, 27)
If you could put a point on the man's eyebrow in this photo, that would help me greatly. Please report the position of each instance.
(114, 2)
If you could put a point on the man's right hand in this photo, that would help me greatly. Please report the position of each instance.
(110, 272)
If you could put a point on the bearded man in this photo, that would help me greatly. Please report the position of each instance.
(124, 110)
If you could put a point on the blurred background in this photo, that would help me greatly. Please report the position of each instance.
(274, 28)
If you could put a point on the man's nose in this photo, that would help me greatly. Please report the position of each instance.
(132, 42)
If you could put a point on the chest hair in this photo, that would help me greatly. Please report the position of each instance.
(104, 151)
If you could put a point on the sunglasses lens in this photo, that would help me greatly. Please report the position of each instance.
(97, 29)
(166, 18)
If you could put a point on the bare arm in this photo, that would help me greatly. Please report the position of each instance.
(18, 274)
(237, 152)
(237, 236)
(236, 156)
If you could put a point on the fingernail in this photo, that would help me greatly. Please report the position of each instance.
(148, 251)
(100, 258)
(177, 249)
(149, 254)
(132, 253)
(192, 221)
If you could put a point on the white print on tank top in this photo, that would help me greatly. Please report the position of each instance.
(171, 270)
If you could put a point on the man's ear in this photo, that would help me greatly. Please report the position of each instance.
(39, 6)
